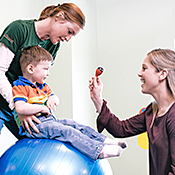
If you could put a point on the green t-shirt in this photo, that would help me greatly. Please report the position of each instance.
(18, 35)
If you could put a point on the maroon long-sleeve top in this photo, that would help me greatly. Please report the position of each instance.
(161, 135)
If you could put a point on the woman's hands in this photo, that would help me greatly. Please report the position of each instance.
(27, 121)
(96, 86)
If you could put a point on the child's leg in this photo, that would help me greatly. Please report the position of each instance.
(86, 130)
(52, 129)
(111, 148)
(110, 151)
(91, 133)
(121, 143)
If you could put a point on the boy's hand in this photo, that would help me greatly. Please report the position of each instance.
(52, 102)
(45, 111)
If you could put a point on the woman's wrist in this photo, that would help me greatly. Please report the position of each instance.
(98, 104)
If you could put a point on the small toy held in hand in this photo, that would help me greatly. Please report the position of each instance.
(99, 71)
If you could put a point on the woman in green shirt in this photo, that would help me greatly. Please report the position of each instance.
(55, 25)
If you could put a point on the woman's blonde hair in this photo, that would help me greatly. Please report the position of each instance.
(71, 13)
(163, 59)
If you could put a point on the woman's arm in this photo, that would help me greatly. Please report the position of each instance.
(121, 128)
(96, 87)
(171, 136)
(6, 57)
(110, 122)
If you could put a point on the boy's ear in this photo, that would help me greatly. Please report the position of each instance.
(163, 74)
(30, 69)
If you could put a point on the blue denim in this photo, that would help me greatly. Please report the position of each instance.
(83, 138)
(7, 118)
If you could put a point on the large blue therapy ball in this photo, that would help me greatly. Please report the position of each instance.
(51, 157)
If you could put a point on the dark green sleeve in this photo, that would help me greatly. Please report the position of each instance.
(13, 36)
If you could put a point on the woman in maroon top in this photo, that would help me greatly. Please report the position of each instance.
(158, 78)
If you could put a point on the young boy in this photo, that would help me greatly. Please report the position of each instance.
(32, 96)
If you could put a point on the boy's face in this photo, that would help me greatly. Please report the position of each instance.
(41, 71)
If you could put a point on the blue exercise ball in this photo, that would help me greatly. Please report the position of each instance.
(51, 157)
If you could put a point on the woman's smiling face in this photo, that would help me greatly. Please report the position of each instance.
(149, 77)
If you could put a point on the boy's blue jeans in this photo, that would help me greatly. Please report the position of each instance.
(83, 138)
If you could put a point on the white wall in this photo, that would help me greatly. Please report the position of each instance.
(84, 62)
(117, 36)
